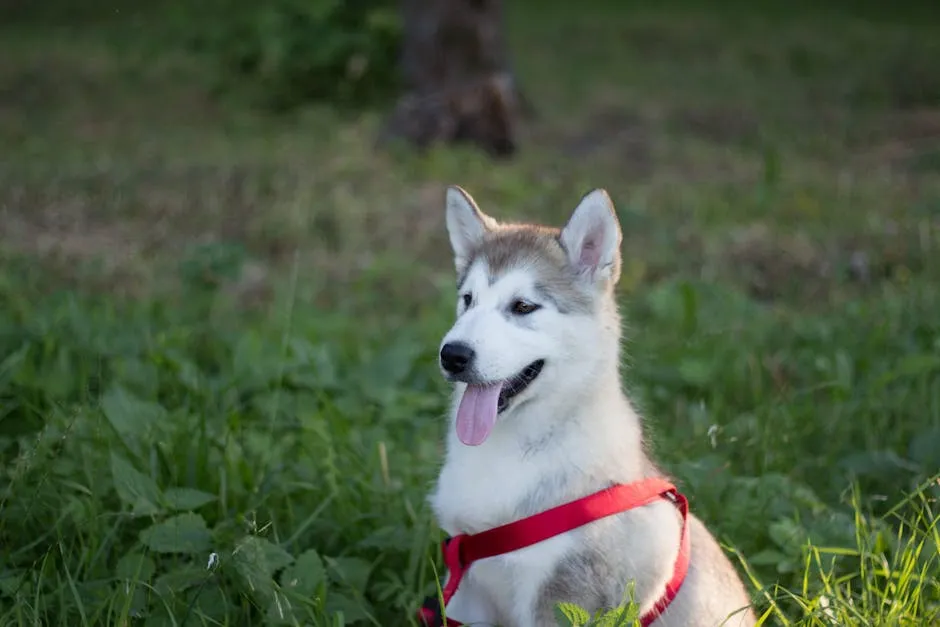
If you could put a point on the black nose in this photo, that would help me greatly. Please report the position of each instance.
(456, 357)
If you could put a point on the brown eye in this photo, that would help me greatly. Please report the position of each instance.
(522, 308)
(467, 299)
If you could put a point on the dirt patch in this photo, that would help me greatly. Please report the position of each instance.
(694, 36)
(128, 255)
(907, 141)
(115, 224)
(90, 94)
(38, 86)
(771, 264)
(115, 245)
(724, 126)
(167, 200)
(618, 129)
(901, 250)
(109, 259)
(774, 265)
(120, 228)
(908, 78)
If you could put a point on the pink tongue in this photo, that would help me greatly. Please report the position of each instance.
(476, 414)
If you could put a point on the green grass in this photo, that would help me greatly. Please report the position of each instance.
(218, 328)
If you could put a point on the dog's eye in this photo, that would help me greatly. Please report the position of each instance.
(522, 308)
(467, 299)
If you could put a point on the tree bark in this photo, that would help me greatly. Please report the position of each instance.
(456, 73)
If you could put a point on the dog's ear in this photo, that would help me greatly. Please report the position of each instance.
(466, 224)
(592, 239)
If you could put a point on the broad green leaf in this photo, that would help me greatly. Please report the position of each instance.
(353, 571)
(135, 488)
(924, 449)
(665, 301)
(137, 374)
(318, 370)
(767, 557)
(58, 375)
(352, 609)
(180, 580)
(135, 567)
(10, 582)
(186, 498)
(214, 604)
(12, 363)
(878, 463)
(305, 575)
(255, 359)
(132, 418)
(624, 616)
(283, 610)
(133, 597)
(787, 534)
(184, 533)
(912, 366)
(570, 615)
(257, 559)
(697, 372)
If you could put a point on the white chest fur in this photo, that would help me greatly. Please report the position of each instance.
(483, 487)
(509, 477)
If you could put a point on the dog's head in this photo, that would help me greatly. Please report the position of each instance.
(535, 307)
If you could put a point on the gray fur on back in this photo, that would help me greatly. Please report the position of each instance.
(711, 595)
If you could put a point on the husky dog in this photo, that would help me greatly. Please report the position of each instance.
(539, 419)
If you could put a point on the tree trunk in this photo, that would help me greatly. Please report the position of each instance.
(457, 78)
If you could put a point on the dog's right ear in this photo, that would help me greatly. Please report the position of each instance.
(592, 239)
(466, 225)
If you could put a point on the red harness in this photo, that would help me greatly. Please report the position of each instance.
(462, 550)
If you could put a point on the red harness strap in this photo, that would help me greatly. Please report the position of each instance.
(462, 550)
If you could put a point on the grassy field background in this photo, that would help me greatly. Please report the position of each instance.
(219, 403)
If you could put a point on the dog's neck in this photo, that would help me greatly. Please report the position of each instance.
(543, 453)
(590, 414)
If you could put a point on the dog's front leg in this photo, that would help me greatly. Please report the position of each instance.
(540, 614)
(470, 605)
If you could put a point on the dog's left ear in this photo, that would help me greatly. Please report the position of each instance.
(592, 239)
(466, 225)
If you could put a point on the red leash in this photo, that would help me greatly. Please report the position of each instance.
(462, 550)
